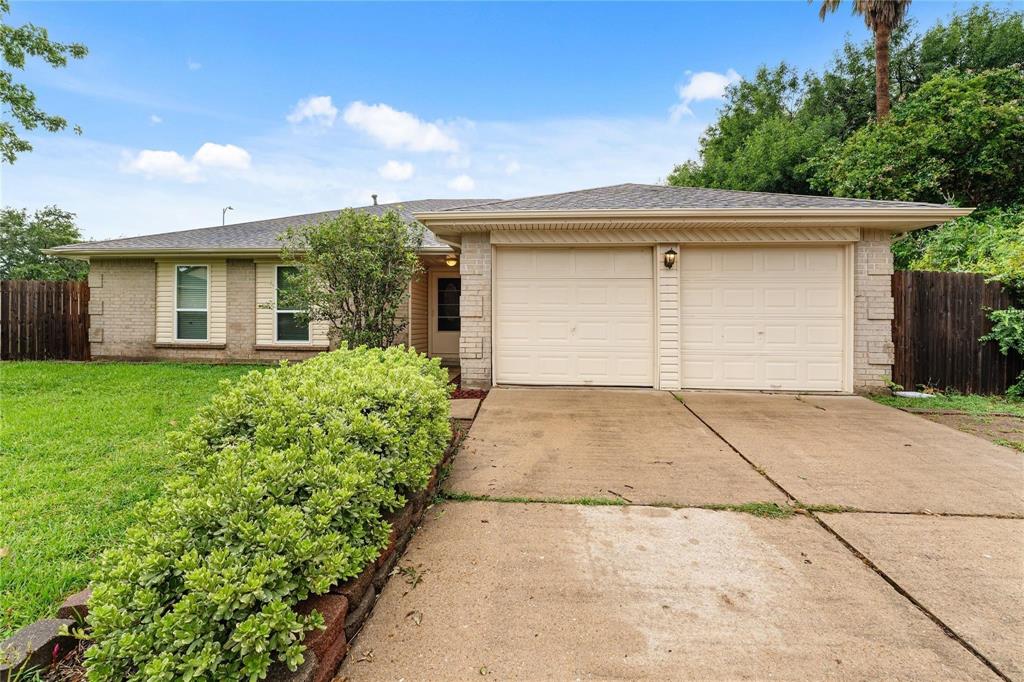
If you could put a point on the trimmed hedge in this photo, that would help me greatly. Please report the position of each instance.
(288, 473)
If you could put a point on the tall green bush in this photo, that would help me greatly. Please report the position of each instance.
(286, 478)
(1008, 332)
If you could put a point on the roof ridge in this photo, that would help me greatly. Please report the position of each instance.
(552, 194)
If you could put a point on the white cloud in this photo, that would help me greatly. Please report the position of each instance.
(319, 109)
(193, 65)
(292, 174)
(222, 156)
(398, 129)
(462, 183)
(703, 86)
(396, 170)
(155, 163)
(458, 162)
(512, 167)
(155, 120)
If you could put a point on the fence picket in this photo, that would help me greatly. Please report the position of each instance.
(44, 320)
(940, 317)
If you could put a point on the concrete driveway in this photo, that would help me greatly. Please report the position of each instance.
(670, 586)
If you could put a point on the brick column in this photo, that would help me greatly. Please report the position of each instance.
(475, 310)
(873, 311)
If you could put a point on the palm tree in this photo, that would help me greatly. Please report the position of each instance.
(882, 17)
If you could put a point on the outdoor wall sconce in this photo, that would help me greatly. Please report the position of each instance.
(670, 258)
(451, 260)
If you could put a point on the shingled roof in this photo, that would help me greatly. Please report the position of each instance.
(263, 234)
(653, 197)
(258, 234)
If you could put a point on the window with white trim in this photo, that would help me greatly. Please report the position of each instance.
(191, 302)
(289, 327)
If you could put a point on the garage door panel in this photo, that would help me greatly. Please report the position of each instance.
(762, 318)
(827, 300)
(574, 316)
(736, 261)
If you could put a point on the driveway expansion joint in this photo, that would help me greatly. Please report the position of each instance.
(732, 447)
(946, 629)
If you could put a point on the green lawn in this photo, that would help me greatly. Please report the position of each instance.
(81, 445)
(973, 404)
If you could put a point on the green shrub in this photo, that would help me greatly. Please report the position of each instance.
(1008, 332)
(288, 473)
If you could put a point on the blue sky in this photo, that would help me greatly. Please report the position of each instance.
(284, 108)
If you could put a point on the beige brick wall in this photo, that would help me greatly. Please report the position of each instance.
(872, 311)
(122, 315)
(475, 309)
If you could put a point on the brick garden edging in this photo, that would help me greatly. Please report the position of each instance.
(345, 607)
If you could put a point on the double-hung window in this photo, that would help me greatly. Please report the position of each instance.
(191, 302)
(290, 328)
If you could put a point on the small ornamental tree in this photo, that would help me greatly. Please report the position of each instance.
(353, 272)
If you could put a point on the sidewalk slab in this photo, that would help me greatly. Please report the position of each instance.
(465, 408)
(967, 571)
(637, 445)
(557, 592)
(849, 451)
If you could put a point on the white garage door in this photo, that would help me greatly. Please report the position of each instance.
(574, 316)
(763, 318)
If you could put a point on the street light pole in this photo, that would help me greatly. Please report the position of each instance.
(224, 212)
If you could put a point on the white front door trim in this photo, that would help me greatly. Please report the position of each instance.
(443, 344)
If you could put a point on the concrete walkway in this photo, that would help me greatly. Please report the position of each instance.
(514, 590)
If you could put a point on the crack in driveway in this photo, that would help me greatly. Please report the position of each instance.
(949, 631)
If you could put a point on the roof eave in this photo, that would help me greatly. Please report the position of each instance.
(170, 252)
(886, 218)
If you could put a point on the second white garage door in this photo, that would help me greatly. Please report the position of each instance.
(574, 316)
(763, 318)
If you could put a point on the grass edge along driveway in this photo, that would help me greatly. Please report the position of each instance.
(81, 446)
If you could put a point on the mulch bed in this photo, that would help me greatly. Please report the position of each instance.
(71, 668)
(476, 393)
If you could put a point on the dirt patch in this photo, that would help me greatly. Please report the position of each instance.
(998, 429)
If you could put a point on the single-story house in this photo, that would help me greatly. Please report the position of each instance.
(629, 285)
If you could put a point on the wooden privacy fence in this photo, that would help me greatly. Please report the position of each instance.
(44, 320)
(939, 318)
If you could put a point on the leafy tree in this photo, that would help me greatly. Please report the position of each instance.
(958, 138)
(353, 272)
(17, 43)
(989, 243)
(768, 128)
(981, 38)
(848, 84)
(780, 120)
(882, 17)
(23, 238)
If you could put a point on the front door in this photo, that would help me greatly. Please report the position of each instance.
(445, 323)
